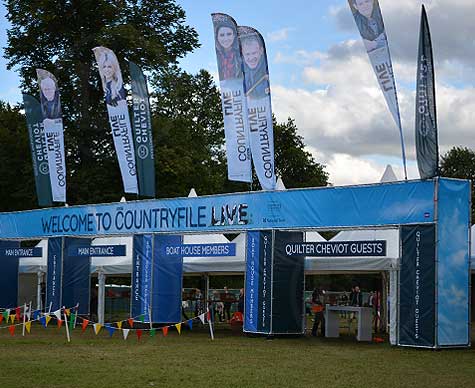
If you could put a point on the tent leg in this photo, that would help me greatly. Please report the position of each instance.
(384, 303)
(39, 304)
(101, 296)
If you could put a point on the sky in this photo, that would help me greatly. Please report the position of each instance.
(320, 76)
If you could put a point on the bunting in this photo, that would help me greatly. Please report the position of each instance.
(178, 328)
(125, 333)
(28, 326)
(165, 331)
(97, 328)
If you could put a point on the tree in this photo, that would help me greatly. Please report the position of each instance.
(294, 164)
(59, 35)
(459, 162)
(17, 190)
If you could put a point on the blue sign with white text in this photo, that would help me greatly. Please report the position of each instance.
(329, 207)
(198, 250)
(97, 251)
(11, 251)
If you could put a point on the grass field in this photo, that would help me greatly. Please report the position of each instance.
(44, 359)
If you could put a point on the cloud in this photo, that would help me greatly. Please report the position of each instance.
(279, 35)
(451, 23)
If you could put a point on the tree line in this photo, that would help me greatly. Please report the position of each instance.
(58, 36)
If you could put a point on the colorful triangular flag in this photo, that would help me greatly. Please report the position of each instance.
(36, 314)
(119, 325)
(142, 318)
(72, 320)
(60, 323)
(1, 318)
(85, 322)
(43, 321)
(57, 313)
(6, 314)
(48, 318)
(28, 326)
(111, 330)
(67, 311)
(12, 318)
(178, 328)
(11, 329)
(97, 328)
(131, 322)
(153, 332)
(202, 318)
(139, 334)
(190, 323)
(125, 333)
(165, 331)
(17, 313)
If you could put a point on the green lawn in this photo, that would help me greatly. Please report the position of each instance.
(45, 359)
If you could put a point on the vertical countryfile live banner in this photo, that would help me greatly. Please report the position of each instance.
(39, 153)
(54, 133)
(8, 274)
(167, 280)
(115, 96)
(141, 275)
(54, 273)
(142, 131)
(417, 286)
(369, 21)
(259, 107)
(427, 148)
(233, 99)
(258, 295)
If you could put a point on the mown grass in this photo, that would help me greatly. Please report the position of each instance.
(45, 359)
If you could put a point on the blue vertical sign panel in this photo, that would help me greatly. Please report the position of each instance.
(76, 274)
(453, 266)
(417, 286)
(167, 281)
(141, 275)
(54, 273)
(8, 275)
(258, 291)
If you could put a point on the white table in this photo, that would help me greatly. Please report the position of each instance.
(364, 316)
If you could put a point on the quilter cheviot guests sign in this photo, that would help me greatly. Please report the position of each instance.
(371, 248)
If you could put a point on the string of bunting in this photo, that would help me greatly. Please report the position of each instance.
(61, 315)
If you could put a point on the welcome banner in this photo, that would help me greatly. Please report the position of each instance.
(119, 119)
(427, 148)
(259, 107)
(54, 133)
(39, 153)
(233, 99)
(142, 131)
(369, 21)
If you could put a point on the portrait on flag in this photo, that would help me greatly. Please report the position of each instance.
(50, 106)
(227, 47)
(255, 66)
(119, 118)
(111, 77)
(369, 20)
(49, 95)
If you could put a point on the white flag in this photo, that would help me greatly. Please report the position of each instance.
(119, 119)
